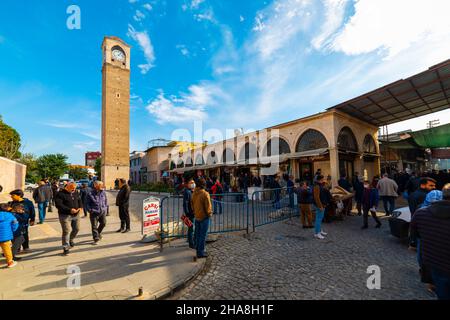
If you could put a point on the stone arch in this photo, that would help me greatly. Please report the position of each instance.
(248, 151)
(311, 139)
(212, 158)
(188, 162)
(228, 156)
(199, 160)
(347, 140)
(369, 145)
(283, 147)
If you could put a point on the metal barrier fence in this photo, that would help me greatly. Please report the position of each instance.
(273, 205)
(232, 212)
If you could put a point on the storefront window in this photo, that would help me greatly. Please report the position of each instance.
(311, 140)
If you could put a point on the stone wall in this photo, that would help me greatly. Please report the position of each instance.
(12, 175)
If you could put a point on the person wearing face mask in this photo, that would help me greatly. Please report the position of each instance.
(370, 199)
(69, 205)
(188, 211)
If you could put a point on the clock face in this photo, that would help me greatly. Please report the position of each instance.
(118, 55)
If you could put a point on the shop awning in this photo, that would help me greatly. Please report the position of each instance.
(424, 93)
(438, 137)
(309, 153)
(274, 159)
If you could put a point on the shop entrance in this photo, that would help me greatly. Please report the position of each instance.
(306, 169)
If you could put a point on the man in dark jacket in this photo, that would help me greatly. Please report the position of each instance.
(418, 197)
(123, 202)
(432, 226)
(370, 199)
(97, 206)
(188, 211)
(42, 196)
(348, 203)
(17, 197)
(69, 205)
(412, 184)
(84, 192)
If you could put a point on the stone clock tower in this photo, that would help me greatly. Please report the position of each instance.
(115, 111)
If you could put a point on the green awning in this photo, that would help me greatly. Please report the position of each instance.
(438, 137)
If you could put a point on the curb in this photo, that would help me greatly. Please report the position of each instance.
(178, 285)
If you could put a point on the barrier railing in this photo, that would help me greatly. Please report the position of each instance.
(273, 205)
(232, 212)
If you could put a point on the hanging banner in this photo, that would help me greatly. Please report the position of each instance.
(151, 216)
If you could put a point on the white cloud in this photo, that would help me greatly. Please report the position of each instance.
(183, 50)
(334, 17)
(139, 15)
(169, 111)
(190, 106)
(393, 26)
(145, 43)
(148, 6)
(241, 18)
(207, 15)
(196, 3)
(61, 125)
(84, 145)
(278, 24)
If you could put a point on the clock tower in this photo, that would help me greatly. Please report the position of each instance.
(115, 111)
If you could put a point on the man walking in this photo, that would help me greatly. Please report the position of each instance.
(432, 226)
(97, 205)
(84, 192)
(305, 199)
(42, 195)
(68, 203)
(188, 211)
(123, 202)
(201, 203)
(416, 198)
(388, 193)
(217, 192)
(370, 199)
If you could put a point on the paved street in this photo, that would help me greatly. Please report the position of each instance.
(114, 269)
(283, 261)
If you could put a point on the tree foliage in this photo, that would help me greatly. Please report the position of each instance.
(30, 161)
(98, 168)
(78, 173)
(9, 141)
(52, 166)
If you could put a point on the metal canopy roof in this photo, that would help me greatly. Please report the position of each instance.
(421, 94)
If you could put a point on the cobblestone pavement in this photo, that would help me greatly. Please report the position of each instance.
(284, 261)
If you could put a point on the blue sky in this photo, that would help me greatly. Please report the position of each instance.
(228, 63)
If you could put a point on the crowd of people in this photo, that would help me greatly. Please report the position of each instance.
(19, 214)
(428, 196)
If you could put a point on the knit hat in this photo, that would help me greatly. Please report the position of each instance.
(432, 196)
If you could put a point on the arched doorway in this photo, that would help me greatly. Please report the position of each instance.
(348, 150)
(309, 142)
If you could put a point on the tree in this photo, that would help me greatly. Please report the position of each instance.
(9, 141)
(98, 168)
(30, 161)
(78, 173)
(52, 166)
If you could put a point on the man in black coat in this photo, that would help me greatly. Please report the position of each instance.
(68, 203)
(432, 226)
(416, 198)
(123, 202)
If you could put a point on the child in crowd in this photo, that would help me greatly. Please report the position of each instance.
(8, 225)
(18, 210)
